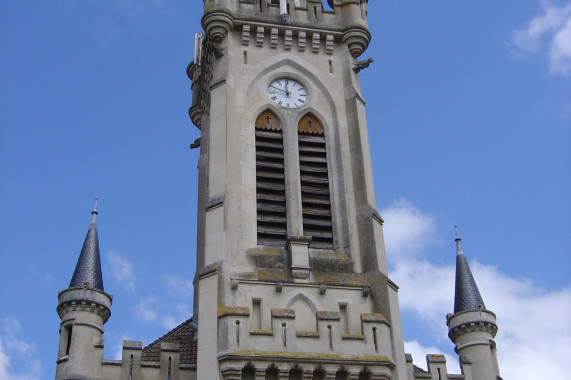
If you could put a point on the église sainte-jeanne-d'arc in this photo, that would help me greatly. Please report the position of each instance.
(291, 272)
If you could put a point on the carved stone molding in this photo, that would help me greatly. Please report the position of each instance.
(357, 39)
(478, 326)
(84, 305)
(217, 25)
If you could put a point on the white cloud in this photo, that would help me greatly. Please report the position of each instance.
(179, 288)
(146, 309)
(121, 270)
(411, 230)
(534, 331)
(179, 313)
(11, 346)
(560, 50)
(551, 28)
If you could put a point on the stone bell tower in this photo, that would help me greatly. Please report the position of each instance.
(291, 275)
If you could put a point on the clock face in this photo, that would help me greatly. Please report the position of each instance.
(287, 93)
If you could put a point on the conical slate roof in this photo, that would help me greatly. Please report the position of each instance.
(467, 295)
(88, 267)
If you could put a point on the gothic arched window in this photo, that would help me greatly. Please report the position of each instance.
(248, 372)
(270, 180)
(315, 197)
(342, 374)
(272, 373)
(318, 374)
(296, 373)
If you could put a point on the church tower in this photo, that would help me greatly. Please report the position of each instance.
(83, 308)
(472, 327)
(291, 275)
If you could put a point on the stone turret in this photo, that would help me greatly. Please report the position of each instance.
(83, 307)
(472, 327)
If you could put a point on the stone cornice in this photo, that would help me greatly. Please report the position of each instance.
(473, 326)
(84, 305)
(284, 356)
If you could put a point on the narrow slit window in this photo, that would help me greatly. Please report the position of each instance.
(344, 317)
(270, 181)
(314, 176)
(68, 330)
(257, 314)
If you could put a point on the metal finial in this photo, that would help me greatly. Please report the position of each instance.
(94, 211)
(459, 250)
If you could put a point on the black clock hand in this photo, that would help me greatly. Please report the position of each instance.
(279, 89)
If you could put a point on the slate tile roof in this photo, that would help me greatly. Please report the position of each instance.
(467, 296)
(184, 334)
(88, 268)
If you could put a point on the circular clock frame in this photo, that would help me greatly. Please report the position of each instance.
(287, 92)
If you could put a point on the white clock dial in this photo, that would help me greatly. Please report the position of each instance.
(287, 93)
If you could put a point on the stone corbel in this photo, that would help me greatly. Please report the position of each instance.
(298, 247)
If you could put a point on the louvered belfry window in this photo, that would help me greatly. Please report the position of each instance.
(270, 181)
(315, 197)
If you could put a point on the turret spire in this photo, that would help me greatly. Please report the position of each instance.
(467, 295)
(88, 268)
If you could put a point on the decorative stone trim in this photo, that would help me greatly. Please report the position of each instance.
(225, 311)
(260, 36)
(328, 315)
(435, 358)
(307, 334)
(480, 343)
(329, 44)
(298, 357)
(283, 313)
(132, 345)
(315, 42)
(99, 343)
(214, 202)
(217, 25)
(392, 285)
(288, 39)
(301, 37)
(62, 359)
(477, 326)
(111, 362)
(150, 364)
(262, 332)
(100, 329)
(357, 39)
(84, 305)
(170, 347)
(373, 317)
(353, 336)
(274, 38)
(245, 35)
(208, 270)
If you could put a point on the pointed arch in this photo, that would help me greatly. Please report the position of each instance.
(365, 374)
(342, 374)
(318, 373)
(272, 372)
(270, 180)
(296, 373)
(268, 120)
(305, 312)
(314, 176)
(248, 372)
(312, 303)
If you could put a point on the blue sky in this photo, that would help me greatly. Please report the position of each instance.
(469, 116)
